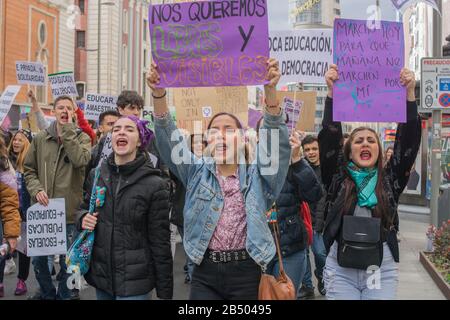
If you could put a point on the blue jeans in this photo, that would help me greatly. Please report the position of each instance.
(294, 266)
(43, 274)
(353, 284)
(102, 295)
(320, 256)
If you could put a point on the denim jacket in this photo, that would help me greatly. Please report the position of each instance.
(204, 198)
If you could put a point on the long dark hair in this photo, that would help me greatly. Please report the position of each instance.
(238, 125)
(381, 210)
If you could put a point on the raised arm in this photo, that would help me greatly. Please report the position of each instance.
(169, 140)
(42, 123)
(273, 150)
(330, 137)
(407, 139)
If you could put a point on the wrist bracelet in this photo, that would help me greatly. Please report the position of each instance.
(161, 116)
(155, 97)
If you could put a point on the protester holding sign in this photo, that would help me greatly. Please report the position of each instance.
(301, 185)
(226, 199)
(54, 168)
(9, 209)
(17, 151)
(361, 218)
(131, 253)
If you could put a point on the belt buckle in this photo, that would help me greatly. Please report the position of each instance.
(213, 256)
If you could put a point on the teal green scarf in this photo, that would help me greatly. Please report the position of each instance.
(365, 181)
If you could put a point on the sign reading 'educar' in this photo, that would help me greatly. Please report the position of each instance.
(210, 43)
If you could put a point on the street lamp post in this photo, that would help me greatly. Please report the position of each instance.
(437, 122)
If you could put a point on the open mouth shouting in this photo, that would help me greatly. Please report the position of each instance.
(365, 155)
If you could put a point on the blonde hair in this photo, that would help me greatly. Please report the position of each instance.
(22, 154)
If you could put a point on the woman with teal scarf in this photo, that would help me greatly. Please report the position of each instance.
(360, 184)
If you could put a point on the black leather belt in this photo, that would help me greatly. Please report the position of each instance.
(227, 256)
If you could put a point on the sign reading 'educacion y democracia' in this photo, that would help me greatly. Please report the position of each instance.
(210, 43)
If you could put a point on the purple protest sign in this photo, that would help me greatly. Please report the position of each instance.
(210, 43)
(253, 117)
(369, 61)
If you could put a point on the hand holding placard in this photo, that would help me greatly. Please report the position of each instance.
(273, 76)
(331, 76)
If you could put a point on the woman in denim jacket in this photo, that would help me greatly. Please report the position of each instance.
(226, 232)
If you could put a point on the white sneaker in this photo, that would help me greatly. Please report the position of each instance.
(10, 266)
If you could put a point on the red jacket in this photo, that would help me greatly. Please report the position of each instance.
(84, 125)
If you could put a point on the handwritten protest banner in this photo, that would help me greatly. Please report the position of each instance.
(46, 229)
(369, 61)
(6, 101)
(210, 43)
(32, 73)
(63, 84)
(304, 55)
(306, 120)
(189, 104)
(97, 104)
(292, 108)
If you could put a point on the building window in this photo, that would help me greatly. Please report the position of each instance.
(145, 58)
(125, 22)
(42, 34)
(310, 16)
(144, 86)
(145, 30)
(337, 12)
(319, 114)
(81, 39)
(81, 5)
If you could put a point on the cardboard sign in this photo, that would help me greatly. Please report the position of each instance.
(304, 55)
(369, 62)
(292, 109)
(96, 104)
(46, 229)
(63, 84)
(6, 101)
(189, 104)
(306, 120)
(32, 73)
(210, 43)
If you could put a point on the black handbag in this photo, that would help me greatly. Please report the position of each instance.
(360, 244)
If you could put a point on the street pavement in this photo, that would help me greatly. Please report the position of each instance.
(414, 281)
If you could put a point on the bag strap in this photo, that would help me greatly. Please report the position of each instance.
(276, 231)
(94, 191)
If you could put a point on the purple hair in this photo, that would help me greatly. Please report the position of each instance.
(145, 134)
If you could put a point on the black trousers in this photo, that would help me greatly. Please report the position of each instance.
(236, 280)
(24, 267)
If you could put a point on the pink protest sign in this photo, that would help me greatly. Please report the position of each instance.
(370, 61)
(210, 43)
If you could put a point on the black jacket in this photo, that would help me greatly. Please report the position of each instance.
(395, 175)
(131, 253)
(301, 184)
(318, 208)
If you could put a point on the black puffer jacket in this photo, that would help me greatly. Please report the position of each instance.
(132, 254)
(301, 184)
(395, 175)
(318, 208)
